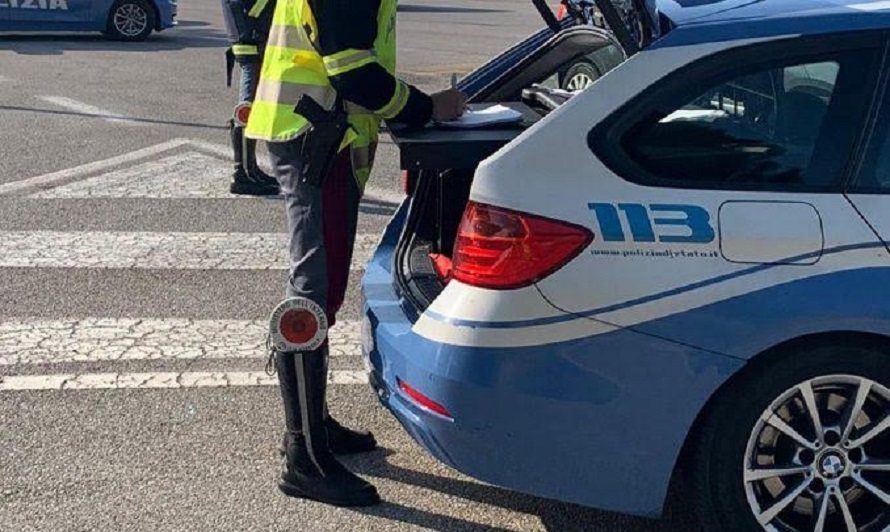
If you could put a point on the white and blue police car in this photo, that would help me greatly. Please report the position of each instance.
(125, 20)
(679, 271)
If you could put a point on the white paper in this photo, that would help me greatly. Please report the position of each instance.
(496, 114)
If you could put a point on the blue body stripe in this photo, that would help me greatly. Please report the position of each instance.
(650, 298)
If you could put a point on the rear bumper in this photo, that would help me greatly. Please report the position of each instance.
(598, 421)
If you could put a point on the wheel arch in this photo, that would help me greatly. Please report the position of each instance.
(157, 14)
(870, 340)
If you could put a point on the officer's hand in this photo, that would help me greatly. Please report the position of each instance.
(448, 104)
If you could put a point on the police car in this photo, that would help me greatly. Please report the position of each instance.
(126, 20)
(692, 289)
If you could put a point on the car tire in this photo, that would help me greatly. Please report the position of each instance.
(130, 20)
(579, 76)
(735, 438)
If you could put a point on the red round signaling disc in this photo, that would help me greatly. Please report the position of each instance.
(298, 326)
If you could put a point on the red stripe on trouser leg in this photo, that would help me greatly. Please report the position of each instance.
(339, 211)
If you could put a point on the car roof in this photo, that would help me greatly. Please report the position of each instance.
(702, 21)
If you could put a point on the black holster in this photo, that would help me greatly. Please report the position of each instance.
(321, 142)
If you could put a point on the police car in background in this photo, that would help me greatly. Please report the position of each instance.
(695, 287)
(127, 20)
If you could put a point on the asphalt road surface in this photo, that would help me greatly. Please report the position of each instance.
(134, 292)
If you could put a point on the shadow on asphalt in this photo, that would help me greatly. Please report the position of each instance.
(554, 515)
(188, 34)
(377, 207)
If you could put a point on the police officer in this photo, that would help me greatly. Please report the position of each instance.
(331, 51)
(247, 24)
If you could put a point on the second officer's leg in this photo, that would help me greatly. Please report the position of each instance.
(311, 470)
(248, 179)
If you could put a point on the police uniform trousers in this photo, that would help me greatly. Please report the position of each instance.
(321, 223)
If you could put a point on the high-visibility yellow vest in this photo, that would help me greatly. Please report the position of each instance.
(292, 67)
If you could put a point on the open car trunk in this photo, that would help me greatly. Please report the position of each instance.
(525, 73)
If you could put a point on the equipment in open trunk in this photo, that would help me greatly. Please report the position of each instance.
(440, 163)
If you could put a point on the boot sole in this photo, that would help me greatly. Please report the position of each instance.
(252, 190)
(292, 490)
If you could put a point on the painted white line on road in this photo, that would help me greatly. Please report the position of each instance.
(190, 175)
(145, 250)
(28, 341)
(4, 79)
(89, 168)
(180, 176)
(159, 380)
(87, 109)
(151, 173)
(371, 192)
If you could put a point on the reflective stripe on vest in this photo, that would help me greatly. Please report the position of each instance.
(347, 60)
(257, 8)
(245, 49)
(292, 67)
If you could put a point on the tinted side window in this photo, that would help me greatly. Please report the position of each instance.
(776, 126)
(874, 176)
(880, 176)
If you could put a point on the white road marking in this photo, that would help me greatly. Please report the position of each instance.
(159, 380)
(46, 180)
(85, 108)
(146, 250)
(44, 341)
(184, 175)
(4, 79)
(202, 172)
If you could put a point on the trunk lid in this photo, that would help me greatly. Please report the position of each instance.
(438, 198)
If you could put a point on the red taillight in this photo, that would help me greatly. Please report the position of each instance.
(561, 12)
(503, 249)
(423, 400)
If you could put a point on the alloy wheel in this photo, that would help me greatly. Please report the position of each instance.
(130, 20)
(578, 82)
(819, 458)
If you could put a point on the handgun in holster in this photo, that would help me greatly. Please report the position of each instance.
(321, 142)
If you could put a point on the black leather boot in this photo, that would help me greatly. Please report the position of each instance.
(242, 182)
(311, 470)
(342, 440)
(254, 172)
(323, 479)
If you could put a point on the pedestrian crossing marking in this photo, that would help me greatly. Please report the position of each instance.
(151, 250)
(176, 169)
(180, 176)
(29, 341)
(159, 380)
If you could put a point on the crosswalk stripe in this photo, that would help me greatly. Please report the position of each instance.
(180, 176)
(45, 341)
(148, 250)
(162, 171)
(159, 380)
(46, 180)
